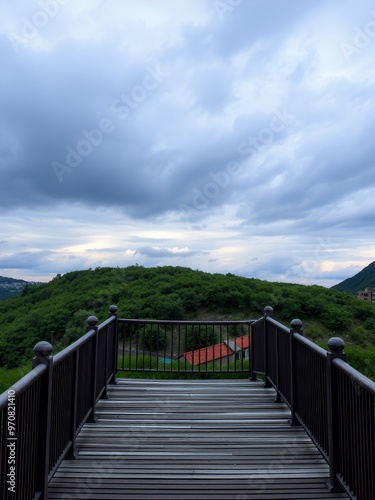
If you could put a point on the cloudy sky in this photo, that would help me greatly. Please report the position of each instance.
(221, 135)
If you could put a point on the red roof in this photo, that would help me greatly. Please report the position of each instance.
(244, 342)
(207, 354)
(217, 351)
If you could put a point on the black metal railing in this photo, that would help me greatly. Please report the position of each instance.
(41, 415)
(332, 401)
(354, 432)
(184, 346)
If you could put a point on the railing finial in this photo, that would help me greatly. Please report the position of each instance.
(296, 326)
(92, 322)
(42, 350)
(268, 311)
(113, 310)
(336, 345)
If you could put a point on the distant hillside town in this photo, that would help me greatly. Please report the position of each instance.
(10, 287)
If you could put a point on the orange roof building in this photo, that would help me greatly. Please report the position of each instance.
(207, 354)
(218, 351)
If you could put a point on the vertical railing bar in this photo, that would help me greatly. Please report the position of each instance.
(149, 332)
(115, 332)
(184, 346)
(228, 338)
(206, 344)
(42, 352)
(228, 358)
(252, 353)
(33, 446)
(162, 347)
(92, 324)
(138, 345)
(104, 381)
(71, 455)
(151, 326)
(200, 347)
(131, 333)
(241, 350)
(193, 348)
(122, 328)
(34, 393)
(172, 347)
(221, 346)
(178, 346)
(268, 312)
(336, 346)
(278, 398)
(296, 327)
(144, 351)
(165, 345)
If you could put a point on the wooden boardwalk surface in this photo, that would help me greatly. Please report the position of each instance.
(185, 440)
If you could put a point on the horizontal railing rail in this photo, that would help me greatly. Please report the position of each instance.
(41, 415)
(184, 346)
(332, 401)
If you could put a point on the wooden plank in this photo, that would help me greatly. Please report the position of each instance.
(192, 440)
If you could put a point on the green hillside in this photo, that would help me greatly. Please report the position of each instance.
(360, 281)
(63, 305)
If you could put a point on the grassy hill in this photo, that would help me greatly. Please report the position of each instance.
(360, 281)
(63, 305)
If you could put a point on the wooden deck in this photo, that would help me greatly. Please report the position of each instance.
(185, 440)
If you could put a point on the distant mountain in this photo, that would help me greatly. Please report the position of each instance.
(360, 281)
(10, 287)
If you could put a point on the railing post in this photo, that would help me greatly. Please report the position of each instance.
(268, 312)
(92, 324)
(42, 351)
(253, 376)
(295, 327)
(336, 347)
(71, 454)
(113, 312)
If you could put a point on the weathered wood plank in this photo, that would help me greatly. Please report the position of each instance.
(190, 440)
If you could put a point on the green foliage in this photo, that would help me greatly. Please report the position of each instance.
(196, 339)
(153, 340)
(63, 305)
(362, 359)
(10, 377)
(335, 318)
